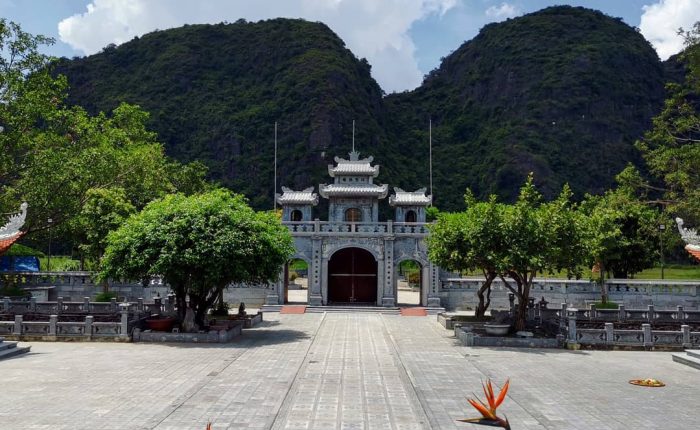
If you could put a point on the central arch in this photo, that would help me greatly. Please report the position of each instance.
(352, 276)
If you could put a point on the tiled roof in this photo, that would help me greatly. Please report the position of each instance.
(334, 190)
(353, 166)
(6, 242)
(694, 251)
(291, 197)
(407, 198)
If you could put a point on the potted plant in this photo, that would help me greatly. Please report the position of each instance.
(159, 322)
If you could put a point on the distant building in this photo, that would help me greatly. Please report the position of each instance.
(353, 258)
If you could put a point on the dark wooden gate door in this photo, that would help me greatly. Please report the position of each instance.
(352, 277)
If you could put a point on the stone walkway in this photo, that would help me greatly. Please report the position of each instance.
(337, 371)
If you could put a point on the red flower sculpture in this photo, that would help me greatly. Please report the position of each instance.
(488, 413)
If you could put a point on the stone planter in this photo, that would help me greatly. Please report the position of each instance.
(160, 324)
(497, 329)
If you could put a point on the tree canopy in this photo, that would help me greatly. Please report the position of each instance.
(199, 245)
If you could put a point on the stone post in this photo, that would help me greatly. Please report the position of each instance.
(621, 313)
(609, 334)
(591, 311)
(124, 311)
(6, 304)
(59, 305)
(648, 342)
(562, 317)
(115, 307)
(18, 325)
(88, 326)
(170, 304)
(53, 325)
(86, 304)
(650, 313)
(680, 314)
(572, 341)
(32, 304)
(685, 331)
(139, 303)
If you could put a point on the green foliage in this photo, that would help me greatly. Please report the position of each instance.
(105, 296)
(562, 92)
(671, 148)
(198, 244)
(104, 210)
(21, 250)
(431, 213)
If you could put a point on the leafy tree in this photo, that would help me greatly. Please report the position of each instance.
(466, 241)
(104, 210)
(199, 245)
(671, 148)
(538, 237)
(52, 154)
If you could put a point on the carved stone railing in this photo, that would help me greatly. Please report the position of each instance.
(361, 228)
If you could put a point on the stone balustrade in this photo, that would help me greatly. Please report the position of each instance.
(53, 329)
(417, 229)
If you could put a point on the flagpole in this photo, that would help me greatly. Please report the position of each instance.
(274, 194)
(353, 135)
(430, 153)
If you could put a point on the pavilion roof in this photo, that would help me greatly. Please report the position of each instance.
(364, 190)
(353, 166)
(292, 197)
(410, 198)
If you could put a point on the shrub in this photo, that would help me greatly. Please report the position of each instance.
(105, 296)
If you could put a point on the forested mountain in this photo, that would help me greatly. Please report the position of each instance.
(563, 92)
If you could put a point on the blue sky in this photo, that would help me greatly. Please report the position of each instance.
(402, 39)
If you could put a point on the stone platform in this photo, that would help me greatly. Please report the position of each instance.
(10, 349)
(337, 371)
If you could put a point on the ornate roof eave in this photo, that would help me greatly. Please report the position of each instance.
(15, 223)
(335, 190)
(353, 166)
(291, 197)
(691, 238)
(410, 198)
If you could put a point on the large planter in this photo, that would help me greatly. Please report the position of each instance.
(160, 324)
(497, 329)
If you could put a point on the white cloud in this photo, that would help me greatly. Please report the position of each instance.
(376, 30)
(505, 10)
(661, 21)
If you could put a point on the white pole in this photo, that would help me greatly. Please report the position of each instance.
(430, 153)
(353, 135)
(274, 197)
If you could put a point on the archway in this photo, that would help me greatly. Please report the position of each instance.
(297, 216)
(296, 284)
(352, 277)
(410, 216)
(409, 284)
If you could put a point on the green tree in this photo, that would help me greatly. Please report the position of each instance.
(671, 148)
(199, 245)
(466, 241)
(104, 210)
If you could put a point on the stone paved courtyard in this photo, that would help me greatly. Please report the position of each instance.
(337, 371)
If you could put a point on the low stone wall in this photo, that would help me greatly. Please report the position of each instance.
(212, 336)
(53, 330)
(460, 293)
(469, 338)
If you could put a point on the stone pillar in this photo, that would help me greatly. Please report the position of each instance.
(59, 305)
(324, 280)
(316, 271)
(680, 314)
(389, 291)
(572, 340)
(124, 324)
(115, 307)
(53, 325)
(621, 313)
(380, 282)
(562, 317)
(591, 312)
(685, 331)
(650, 313)
(433, 298)
(609, 334)
(88, 326)
(139, 304)
(32, 304)
(86, 304)
(6, 304)
(648, 341)
(18, 325)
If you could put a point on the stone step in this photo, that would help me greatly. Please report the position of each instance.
(352, 309)
(686, 359)
(10, 349)
(695, 353)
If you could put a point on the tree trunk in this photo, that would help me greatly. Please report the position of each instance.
(485, 302)
(521, 317)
